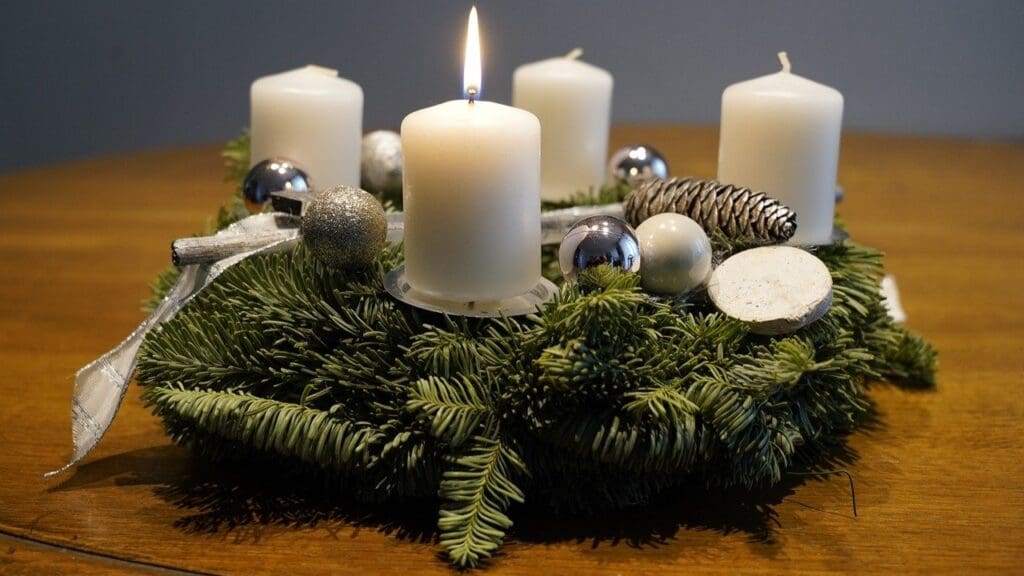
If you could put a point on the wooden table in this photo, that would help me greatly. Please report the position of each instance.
(938, 478)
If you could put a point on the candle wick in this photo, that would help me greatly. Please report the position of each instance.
(784, 59)
(574, 54)
(471, 93)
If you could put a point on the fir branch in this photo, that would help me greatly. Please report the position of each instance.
(476, 493)
(909, 360)
(454, 350)
(409, 465)
(609, 437)
(751, 439)
(312, 436)
(236, 158)
(455, 408)
(664, 403)
(605, 308)
(228, 214)
(224, 355)
(703, 337)
(605, 194)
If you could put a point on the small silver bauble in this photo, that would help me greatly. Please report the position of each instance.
(272, 175)
(598, 240)
(676, 254)
(382, 162)
(344, 227)
(632, 164)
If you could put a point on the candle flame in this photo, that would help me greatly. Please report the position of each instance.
(471, 75)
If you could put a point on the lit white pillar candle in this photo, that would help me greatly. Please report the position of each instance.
(313, 118)
(780, 135)
(471, 189)
(573, 101)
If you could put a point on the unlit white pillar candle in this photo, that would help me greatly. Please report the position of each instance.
(471, 191)
(573, 101)
(313, 118)
(780, 135)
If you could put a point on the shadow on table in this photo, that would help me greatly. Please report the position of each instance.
(248, 501)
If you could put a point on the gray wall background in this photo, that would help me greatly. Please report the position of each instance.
(85, 78)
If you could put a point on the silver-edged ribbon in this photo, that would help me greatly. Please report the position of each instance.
(100, 386)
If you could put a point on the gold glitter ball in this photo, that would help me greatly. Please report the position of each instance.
(344, 227)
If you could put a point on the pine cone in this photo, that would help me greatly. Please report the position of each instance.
(740, 213)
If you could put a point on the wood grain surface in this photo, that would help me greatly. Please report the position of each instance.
(939, 474)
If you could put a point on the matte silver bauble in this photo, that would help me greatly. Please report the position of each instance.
(598, 240)
(381, 164)
(676, 254)
(344, 227)
(272, 175)
(632, 164)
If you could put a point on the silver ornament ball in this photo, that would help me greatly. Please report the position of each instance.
(344, 227)
(272, 175)
(382, 163)
(632, 164)
(676, 254)
(598, 240)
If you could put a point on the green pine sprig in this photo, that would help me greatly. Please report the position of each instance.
(476, 493)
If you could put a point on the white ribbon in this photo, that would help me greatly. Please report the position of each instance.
(891, 295)
(100, 386)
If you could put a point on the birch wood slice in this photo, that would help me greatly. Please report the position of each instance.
(774, 289)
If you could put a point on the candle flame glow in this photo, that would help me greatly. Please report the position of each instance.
(471, 75)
